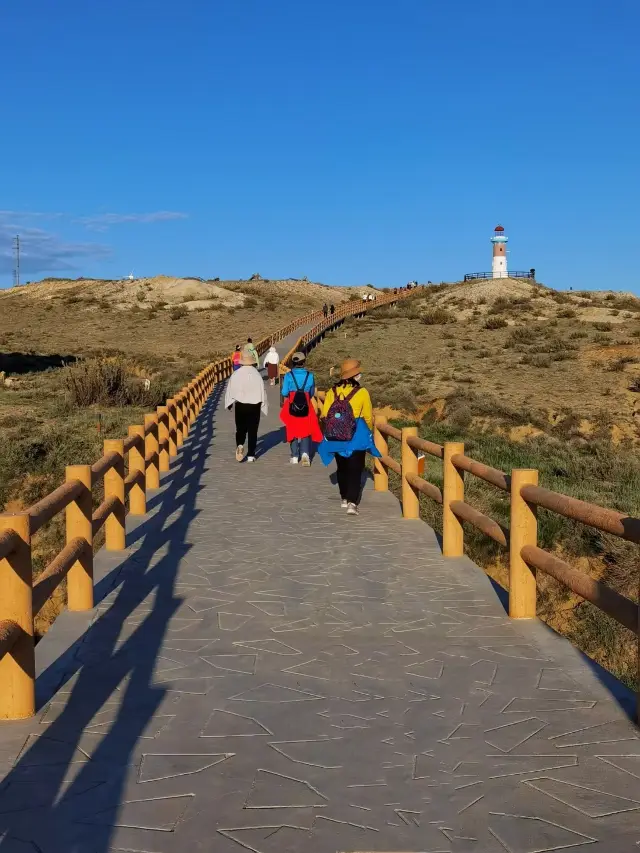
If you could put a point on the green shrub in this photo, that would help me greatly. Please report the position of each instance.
(602, 327)
(495, 323)
(178, 312)
(566, 313)
(436, 317)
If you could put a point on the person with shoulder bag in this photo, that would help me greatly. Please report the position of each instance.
(348, 423)
(297, 413)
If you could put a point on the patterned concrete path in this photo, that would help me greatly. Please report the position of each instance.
(265, 674)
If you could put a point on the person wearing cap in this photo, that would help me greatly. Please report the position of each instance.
(270, 364)
(245, 390)
(302, 430)
(350, 455)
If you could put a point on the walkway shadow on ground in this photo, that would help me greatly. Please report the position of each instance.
(270, 440)
(47, 775)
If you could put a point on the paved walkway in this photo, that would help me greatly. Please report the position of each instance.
(264, 673)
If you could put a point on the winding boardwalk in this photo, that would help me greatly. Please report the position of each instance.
(264, 673)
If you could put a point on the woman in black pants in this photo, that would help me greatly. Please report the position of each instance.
(246, 389)
(348, 424)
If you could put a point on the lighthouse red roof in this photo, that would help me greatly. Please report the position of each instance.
(499, 228)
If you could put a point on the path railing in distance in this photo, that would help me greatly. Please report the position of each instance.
(353, 308)
(472, 276)
(520, 538)
(128, 469)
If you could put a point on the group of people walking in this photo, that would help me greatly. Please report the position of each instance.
(342, 429)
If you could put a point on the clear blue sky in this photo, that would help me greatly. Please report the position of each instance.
(351, 141)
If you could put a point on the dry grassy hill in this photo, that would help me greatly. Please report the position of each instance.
(527, 377)
(150, 317)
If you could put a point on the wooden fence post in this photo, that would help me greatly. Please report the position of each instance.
(137, 495)
(453, 490)
(380, 473)
(114, 526)
(79, 524)
(523, 531)
(181, 429)
(18, 666)
(151, 451)
(410, 500)
(163, 438)
(171, 412)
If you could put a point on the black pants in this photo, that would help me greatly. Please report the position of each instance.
(350, 470)
(247, 421)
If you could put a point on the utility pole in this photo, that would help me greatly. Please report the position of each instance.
(16, 265)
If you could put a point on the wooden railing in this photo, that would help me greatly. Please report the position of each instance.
(353, 308)
(127, 470)
(520, 538)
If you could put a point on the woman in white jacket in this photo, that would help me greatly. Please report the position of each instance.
(270, 364)
(246, 389)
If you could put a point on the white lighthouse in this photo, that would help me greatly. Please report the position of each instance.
(499, 264)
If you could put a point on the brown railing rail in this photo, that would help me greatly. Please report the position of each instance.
(128, 469)
(520, 538)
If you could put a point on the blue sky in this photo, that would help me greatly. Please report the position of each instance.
(351, 141)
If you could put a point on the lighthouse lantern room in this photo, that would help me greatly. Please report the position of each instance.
(499, 264)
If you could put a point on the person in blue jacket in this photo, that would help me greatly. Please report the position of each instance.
(301, 431)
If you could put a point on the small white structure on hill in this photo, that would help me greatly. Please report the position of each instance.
(499, 263)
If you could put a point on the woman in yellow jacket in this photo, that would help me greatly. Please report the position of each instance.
(348, 424)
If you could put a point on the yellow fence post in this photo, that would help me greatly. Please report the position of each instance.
(453, 490)
(18, 666)
(191, 402)
(180, 419)
(380, 473)
(114, 526)
(79, 524)
(151, 451)
(171, 413)
(137, 495)
(523, 531)
(163, 438)
(410, 500)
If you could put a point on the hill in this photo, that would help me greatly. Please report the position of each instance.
(148, 317)
(558, 362)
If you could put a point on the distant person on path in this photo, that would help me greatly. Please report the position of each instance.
(332, 309)
(298, 414)
(270, 364)
(235, 358)
(348, 424)
(325, 310)
(253, 351)
(246, 390)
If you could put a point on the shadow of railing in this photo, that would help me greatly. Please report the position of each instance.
(67, 775)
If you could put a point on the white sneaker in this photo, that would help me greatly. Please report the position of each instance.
(294, 460)
(352, 509)
(344, 503)
(239, 453)
(251, 458)
(305, 460)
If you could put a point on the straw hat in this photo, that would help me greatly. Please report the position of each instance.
(298, 358)
(247, 358)
(350, 368)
